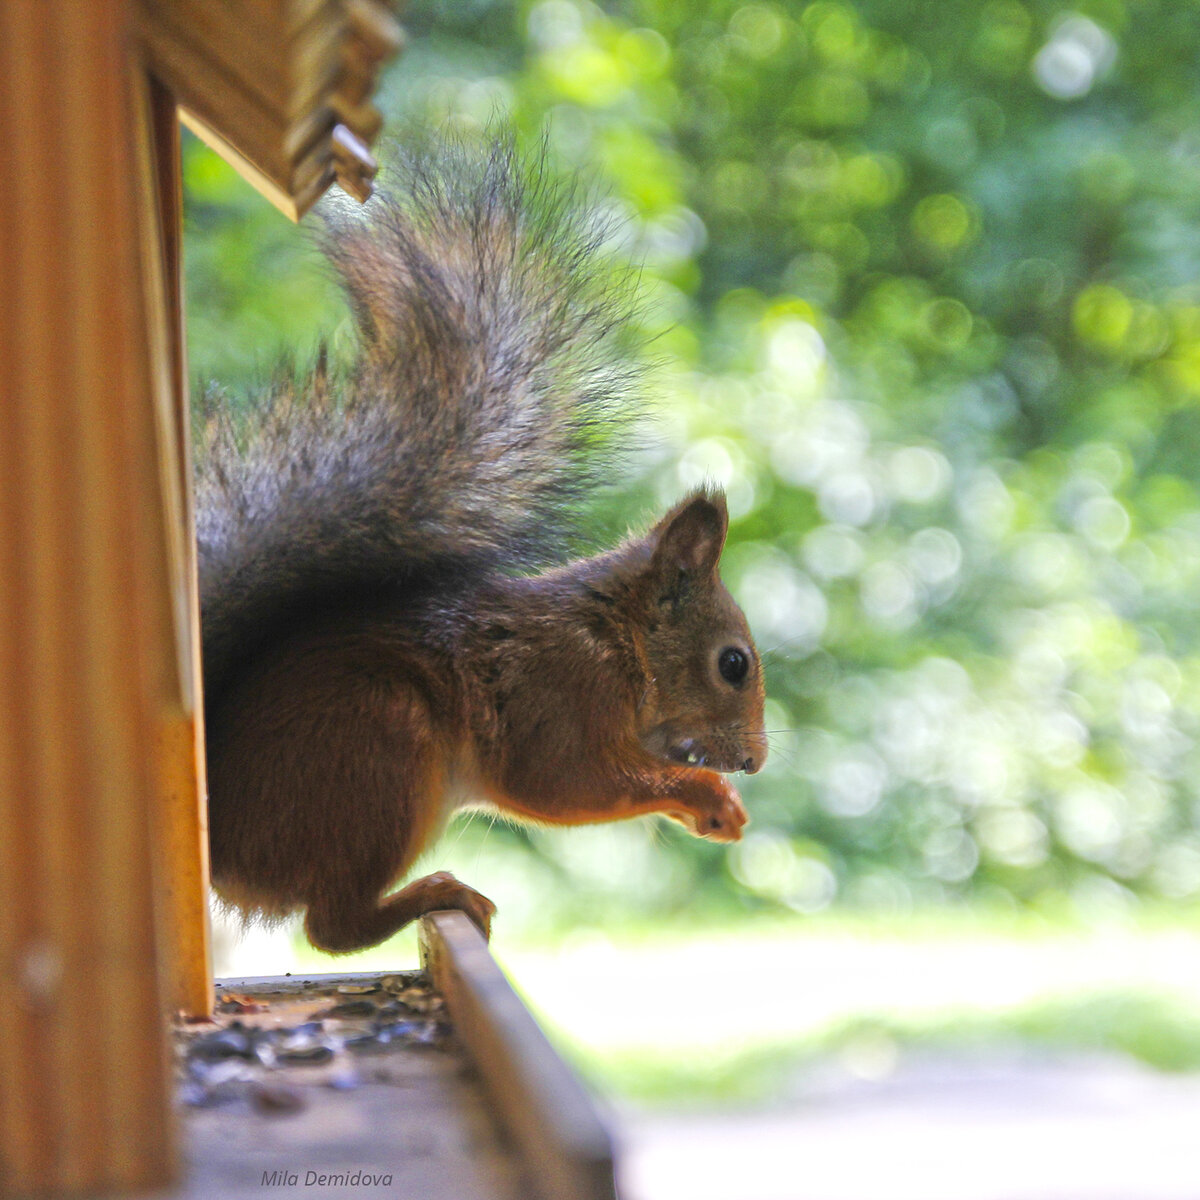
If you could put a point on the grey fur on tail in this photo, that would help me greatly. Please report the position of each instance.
(489, 376)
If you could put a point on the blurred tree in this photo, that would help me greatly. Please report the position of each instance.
(926, 279)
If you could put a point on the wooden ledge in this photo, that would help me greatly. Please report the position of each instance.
(542, 1104)
(437, 1084)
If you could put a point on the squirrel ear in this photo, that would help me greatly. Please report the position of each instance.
(691, 536)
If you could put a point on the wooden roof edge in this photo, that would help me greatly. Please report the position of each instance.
(304, 120)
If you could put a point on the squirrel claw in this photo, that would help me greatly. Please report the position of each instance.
(442, 890)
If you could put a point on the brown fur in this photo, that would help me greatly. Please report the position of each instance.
(559, 698)
(371, 659)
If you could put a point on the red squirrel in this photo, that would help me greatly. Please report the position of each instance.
(379, 647)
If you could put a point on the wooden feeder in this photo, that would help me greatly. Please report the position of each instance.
(103, 868)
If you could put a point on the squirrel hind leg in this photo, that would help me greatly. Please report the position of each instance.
(346, 924)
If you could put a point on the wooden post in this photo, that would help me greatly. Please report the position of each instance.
(89, 649)
(103, 854)
(182, 810)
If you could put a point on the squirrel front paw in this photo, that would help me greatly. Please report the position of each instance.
(709, 806)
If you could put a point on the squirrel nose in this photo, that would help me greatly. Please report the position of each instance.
(750, 766)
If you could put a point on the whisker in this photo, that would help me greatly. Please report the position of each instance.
(463, 821)
(789, 759)
(483, 840)
(780, 645)
(786, 759)
(653, 830)
(775, 743)
(783, 747)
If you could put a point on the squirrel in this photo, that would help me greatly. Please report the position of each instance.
(381, 639)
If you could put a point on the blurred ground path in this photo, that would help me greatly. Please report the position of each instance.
(1083, 1129)
(663, 1001)
(876, 1104)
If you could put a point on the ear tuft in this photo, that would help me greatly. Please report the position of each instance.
(691, 536)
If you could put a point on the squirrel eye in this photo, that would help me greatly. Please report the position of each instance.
(733, 665)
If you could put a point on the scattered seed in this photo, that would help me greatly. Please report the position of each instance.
(225, 1043)
(308, 1029)
(241, 1004)
(218, 1074)
(399, 982)
(305, 1055)
(352, 1008)
(277, 1099)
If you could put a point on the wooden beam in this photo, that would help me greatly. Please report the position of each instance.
(267, 85)
(541, 1103)
(89, 645)
(293, 200)
(182, 815)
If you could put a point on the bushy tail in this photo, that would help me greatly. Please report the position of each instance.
(488, 380)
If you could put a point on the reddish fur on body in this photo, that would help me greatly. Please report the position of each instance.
(371, 659)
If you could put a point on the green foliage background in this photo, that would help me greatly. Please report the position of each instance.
(924, 278)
